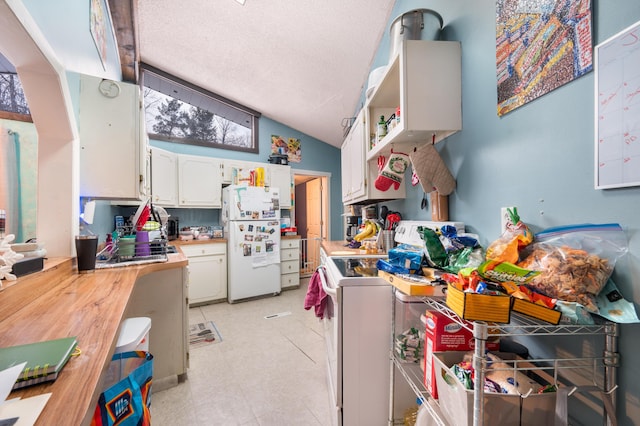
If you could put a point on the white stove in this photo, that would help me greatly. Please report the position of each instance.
(357, 332)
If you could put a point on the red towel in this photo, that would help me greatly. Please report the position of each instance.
(316, 297)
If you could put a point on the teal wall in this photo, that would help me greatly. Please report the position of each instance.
(539, 158)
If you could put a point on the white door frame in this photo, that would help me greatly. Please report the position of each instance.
(326, 217)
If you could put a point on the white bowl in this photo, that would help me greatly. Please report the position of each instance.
(374, 78)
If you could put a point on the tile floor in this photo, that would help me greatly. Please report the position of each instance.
(264, 371)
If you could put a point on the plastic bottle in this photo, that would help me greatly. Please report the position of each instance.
(382, 128)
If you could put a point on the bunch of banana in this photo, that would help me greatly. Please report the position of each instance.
(370, 230)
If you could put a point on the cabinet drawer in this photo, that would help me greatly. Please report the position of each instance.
(289, 280)
(290, 267)
(289, 243)
(289, 254)
(191, 250)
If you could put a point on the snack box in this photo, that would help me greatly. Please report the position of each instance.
(456, 402)
(412, 288)
(445, 334)
(479, 307)
(536, 311)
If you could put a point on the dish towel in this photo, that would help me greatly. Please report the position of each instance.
(316, 297)
(431, 170)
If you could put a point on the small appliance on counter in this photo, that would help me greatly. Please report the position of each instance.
(352, 224)
(173, 228)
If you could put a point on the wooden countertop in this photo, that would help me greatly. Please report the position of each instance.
(338, 248)
(59, 302)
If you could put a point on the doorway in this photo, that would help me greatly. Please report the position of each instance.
(311, 215)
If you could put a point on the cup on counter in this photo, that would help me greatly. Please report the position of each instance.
(388, 240)
(86, 248)
(126, 245)
(142, 244)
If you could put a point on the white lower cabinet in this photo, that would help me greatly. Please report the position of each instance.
(207, 271)
(289, 263)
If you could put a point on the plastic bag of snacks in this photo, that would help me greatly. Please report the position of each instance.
(515, 237)
(449, 251)
(575, 262)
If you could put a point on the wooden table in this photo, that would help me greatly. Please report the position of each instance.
(59, 302)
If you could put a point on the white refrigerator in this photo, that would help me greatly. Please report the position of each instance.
(251, 219)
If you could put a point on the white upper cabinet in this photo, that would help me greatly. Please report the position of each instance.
(358, 174)
(114, 155)
(424, 81)
(352, 161)
(164, 177)
(228, 167)
(199, 181)
(279, 176)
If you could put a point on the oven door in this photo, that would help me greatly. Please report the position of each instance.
(332, 341)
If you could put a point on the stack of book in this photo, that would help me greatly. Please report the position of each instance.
(44, 360)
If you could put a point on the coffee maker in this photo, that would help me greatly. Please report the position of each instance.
(351, 226)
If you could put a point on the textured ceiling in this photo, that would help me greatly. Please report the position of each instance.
(302, 63)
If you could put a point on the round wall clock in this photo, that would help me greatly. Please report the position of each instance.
(109, 88)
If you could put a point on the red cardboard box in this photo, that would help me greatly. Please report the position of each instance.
(444, 334)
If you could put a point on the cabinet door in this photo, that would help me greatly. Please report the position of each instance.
(164, 177)
(199, 182)
(227, 169)
(207, 278)
(353, 161)
(279, 176)
(113, 143)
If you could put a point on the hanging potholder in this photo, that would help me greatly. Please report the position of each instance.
(431, 170)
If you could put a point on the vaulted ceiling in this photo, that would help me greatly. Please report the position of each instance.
(302, 63)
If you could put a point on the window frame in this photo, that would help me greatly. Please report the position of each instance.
(16, 116)
(199, 91)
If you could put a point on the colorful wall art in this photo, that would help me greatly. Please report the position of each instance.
(540, 45)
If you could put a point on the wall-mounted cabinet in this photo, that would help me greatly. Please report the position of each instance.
(180, 180)
(114, 155)
(424, 81)
(276, 175)
(229, 165)
(199, 182)
(279, 176)
(164, 177)
(353, 161)
(358, 174)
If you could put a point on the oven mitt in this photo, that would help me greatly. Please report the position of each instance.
(392, 172)
(431, 170)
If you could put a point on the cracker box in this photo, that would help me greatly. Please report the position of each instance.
(444, 334)
(479, 307)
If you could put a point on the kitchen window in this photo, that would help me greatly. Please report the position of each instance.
(13, 103)
(180, 112)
